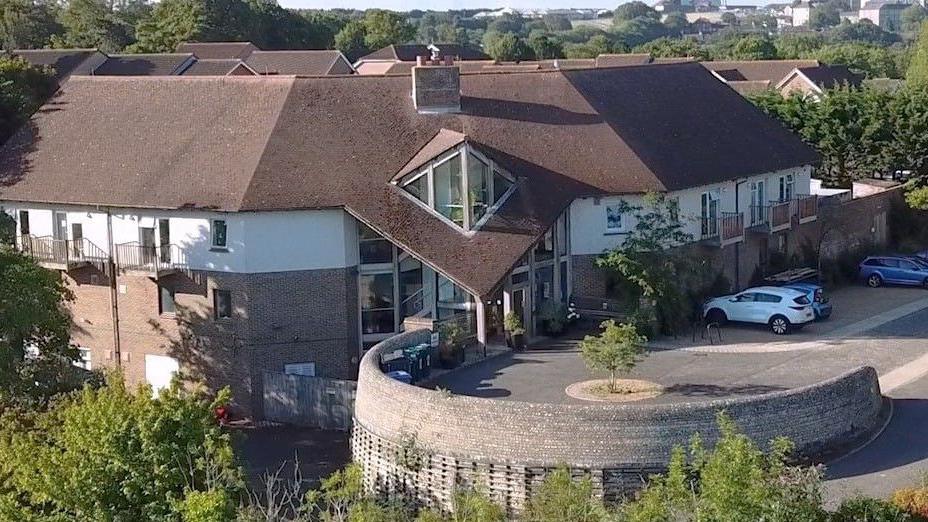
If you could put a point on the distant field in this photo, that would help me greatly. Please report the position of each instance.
(600, 23)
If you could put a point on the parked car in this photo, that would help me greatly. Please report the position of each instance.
(782, 309)
(900, 270)
(821, 305)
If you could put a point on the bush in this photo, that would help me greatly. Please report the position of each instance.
(553, 316)
(562, 499)
(863, 509)
(913, 501)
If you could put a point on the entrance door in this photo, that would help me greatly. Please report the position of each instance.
(77, 239)
(60, 233)
(164, 230)
(520, 307)
(147, 242)
(758, 190)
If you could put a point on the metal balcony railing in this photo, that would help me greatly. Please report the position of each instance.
(65, 254)
(151, 259)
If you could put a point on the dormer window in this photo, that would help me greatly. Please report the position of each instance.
(464, 200)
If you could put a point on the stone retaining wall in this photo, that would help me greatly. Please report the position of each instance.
(425, 443)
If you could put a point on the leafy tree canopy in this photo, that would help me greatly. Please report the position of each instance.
(505, 47)
(25, 24)
(917, 74)
(632, 10)
(23, 89)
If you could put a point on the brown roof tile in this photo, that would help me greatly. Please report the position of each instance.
(755, 70)
(65, 61)
(302, 63)
(217, 50)
(622, 60)
(144, 64)
(214, 67)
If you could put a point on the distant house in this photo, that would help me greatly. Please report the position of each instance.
(301, 63)
(801, 13)
(65, 62)
(751, 76)
(813, 81)
(166, 64)
(381, 60)
(885, 13)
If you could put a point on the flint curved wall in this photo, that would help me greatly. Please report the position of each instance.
(425, 443)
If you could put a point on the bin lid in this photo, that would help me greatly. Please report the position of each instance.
(399, 375)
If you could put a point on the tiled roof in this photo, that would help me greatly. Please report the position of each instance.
(830, 76)
(303, 63)
(214, 67)
(752, 70)
(143, 64)
(65, 61)
(217, 50)
(250, 144)
(409, 52)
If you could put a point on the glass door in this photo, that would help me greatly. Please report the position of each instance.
(77, 239)
(164, 231)
(147, 243)
(758, 190)
(60, 233)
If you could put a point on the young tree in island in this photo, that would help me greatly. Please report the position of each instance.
(616, 350)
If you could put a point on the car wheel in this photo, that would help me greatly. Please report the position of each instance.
(780, 325)
(874, 280)
(716, 316)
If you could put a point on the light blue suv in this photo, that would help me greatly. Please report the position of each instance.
(900, 270)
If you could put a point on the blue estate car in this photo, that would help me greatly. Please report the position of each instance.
(816, 294)
(900, 270)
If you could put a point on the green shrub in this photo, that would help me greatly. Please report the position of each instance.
(563, 499)
(863, 509)
(553, 316)
(913, 501)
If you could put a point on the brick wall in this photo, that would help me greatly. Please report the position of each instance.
(278, 318)
(508, 446)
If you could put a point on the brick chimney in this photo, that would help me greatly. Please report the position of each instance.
(436, 86)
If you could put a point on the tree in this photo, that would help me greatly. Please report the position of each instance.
(351, 40)
(863, 31)
(912, 17)
(729, 19)
(545, 47)
(873, 62)
(25, 24)
(639, 30)
(562, 499)
(616, 350)
(557, 22)
(508, 23)
(792, 46)
(632, 10)
(114, 454)
(171, 22)
(674, 48)
(383, 28)
(597, 45)
(753, 47)
(824, 15)
(735, 480)
(505, 47)
(917, 74)
(91, 23)
(676, 23)
(23, 89)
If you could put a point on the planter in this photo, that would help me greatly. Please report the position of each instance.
(518, 342)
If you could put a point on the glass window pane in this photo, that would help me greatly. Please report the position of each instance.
(500, 186)
(478, 182)
(419, 188)
(376, 291)
(377, 321)
(376, 251)
(562, 236)
(166, 300)
(222, 303)
(448, 189)
(563, 281)
(544, 284)
(545, 248)
(219, 233)
(410, 287)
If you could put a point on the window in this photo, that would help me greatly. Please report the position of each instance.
(83, 360)
(544, 250)
(873, 262)
(562, 235)
(372, 247)
(463, 186)
(907, 265)
(768, 298)
(222, 304)
(749, 297)
(377, 307)
(219, 233)
(307, 369)
(166, 303)
(787, 186)
(24, 222)
(614, 221)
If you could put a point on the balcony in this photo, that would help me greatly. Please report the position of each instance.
(807, 208)
(158, 261)
(63, 254)
(727, 229)
(772, 218)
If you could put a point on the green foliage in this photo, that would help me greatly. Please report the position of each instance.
(553, 316)
(351, 40)
(92, 23)
(863, 509)
(674, 48)
(383, 28)
(676, 23)
(651, 265)
(793, 46)
(25, 24)
(735, 481)
(747, 47)
(869, 60)
(113, 454)
(597, 45)
(505, 47)
(616, 350)
(545, 47)
(863, 31)
(23, 89)
(171, 22)
(824, 15)
(912, 18)
(913, 501)
(917, 198)
(560, 498)
(638, 30)
(468, 505)
(33, 313)
(556, 22)
(917, 74)
(513, 324)
(632, 10)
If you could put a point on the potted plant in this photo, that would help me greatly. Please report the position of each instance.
(515, 332)
(451, 350)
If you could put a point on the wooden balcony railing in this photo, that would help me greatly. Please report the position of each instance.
(807, 208)
(66, 254)
(780, 215)
(731, 227)
(151, 259)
